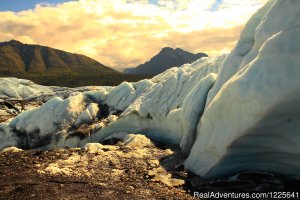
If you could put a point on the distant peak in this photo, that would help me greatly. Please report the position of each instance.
(15, 42)
(180, 50)
(167, 49)
(171, 50)
(11, 42)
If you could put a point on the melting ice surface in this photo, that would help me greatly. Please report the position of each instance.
(228, 114)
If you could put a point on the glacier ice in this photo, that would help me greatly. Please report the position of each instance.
(87, 115)
(21, 88)
(37, 127)
(228, 113)
(266, 78)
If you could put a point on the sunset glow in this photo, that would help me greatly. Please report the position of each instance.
(125, 33)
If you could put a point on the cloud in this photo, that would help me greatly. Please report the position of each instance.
(123, 33)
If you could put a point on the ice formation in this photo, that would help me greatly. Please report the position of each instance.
(21, 88)
(251, 121)
(228, 114)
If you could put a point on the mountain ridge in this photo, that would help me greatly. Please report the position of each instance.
(49, 66)
(165, 59)
(19, 57)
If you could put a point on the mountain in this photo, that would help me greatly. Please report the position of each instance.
(165, 59)
(51, 66)
(18, 57)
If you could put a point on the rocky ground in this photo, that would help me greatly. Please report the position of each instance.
(133, 169)
(102, 172)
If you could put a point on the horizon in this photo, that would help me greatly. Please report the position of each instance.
(118, 69)
(123, 34)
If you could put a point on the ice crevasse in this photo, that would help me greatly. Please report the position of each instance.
(228, 114)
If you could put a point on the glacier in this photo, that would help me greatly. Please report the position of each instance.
(14, 88)
(228, 114)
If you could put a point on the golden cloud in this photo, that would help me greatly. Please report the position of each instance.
(124, 34)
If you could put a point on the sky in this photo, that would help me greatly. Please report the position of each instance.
(19, 5)
(125, 33)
